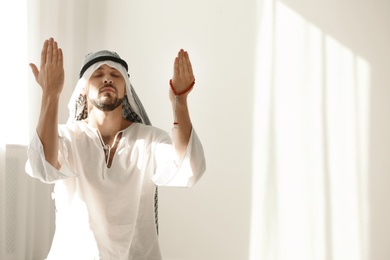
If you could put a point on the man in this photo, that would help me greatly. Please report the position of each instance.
(107, 161)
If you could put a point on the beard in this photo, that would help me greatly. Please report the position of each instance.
(106, 105)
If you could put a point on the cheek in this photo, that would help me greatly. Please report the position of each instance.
(123, 91)
(90, 89)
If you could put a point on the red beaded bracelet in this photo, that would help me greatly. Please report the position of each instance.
(185, 91)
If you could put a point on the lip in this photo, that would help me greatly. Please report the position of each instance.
(107, 89)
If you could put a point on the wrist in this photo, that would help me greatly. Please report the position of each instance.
(50, 96)
(179, 102)
(180, 99)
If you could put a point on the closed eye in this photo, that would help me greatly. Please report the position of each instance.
(115, 74)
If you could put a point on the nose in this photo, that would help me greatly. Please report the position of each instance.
(107, 81)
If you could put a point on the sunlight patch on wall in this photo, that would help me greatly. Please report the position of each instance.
(347, 95)
(310, 198)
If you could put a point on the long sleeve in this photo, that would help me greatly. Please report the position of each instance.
(39, 168)
(187, 171)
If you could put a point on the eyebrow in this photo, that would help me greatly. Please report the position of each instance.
(111, 69)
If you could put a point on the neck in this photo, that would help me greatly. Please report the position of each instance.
(109, 123)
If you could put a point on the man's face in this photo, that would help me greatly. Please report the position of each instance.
(106, 88)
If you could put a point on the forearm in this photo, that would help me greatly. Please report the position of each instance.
(47, 128)
(182, 129)
(181, 85)
(50, 76)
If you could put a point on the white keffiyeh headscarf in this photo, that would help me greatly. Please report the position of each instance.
(133, 109)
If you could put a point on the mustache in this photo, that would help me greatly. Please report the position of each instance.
(108, 85)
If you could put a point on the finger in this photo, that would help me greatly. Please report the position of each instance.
(43, 53)
(186, 70)
(176, 66)
(185, 64)
(34, 70)
(181, 69)
(60, 60)
(55, 52)
(49, 53)
(188, 65)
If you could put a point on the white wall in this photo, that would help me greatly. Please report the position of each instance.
(212, 220)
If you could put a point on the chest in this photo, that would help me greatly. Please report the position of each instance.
(129, 160)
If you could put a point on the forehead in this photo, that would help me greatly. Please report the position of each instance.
(106, 67)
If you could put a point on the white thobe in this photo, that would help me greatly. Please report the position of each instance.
(108, 213)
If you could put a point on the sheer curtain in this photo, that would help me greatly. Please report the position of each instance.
(26, 208)
(26, 221)
(310, 182)
(17, 216)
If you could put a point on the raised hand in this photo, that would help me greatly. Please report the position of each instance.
(183, 76)
(51, 74)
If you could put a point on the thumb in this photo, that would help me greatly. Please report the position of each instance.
(34, 70)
